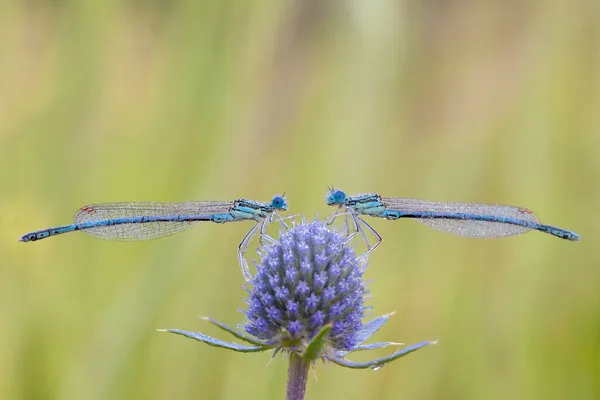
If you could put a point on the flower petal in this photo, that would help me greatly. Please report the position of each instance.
(372, 326)
(380, 362)
(216, 342)
(367, 331)
(240, 335)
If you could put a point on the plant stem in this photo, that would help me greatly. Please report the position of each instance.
(297, 377)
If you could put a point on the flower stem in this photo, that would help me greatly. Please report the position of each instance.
(297, 377)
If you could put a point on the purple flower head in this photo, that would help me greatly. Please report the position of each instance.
(312, 279)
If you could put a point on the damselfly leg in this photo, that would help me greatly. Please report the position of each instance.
(352, 226)
(264, 237)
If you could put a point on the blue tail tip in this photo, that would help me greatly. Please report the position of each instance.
(569, 235)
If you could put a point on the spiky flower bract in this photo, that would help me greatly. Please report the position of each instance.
(307, 299)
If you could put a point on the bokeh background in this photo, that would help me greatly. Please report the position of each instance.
(495, 101)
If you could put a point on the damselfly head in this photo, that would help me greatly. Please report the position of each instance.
(335, 197)
(279, 203)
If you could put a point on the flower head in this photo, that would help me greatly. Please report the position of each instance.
(307, 280)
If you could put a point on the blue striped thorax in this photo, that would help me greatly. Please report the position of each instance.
(369, 203)
(251, 209)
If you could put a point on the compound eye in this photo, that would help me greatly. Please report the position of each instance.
(278, 202)
(339, 196)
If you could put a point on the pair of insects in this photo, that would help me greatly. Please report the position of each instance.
(147, 220)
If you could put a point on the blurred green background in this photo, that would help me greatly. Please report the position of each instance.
(495, 101)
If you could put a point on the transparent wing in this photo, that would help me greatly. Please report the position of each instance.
(499, 216)
(143, 231)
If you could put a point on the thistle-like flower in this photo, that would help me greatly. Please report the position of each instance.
(307, 299)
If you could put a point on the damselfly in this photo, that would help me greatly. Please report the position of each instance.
(149, 220)
(463, 219)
